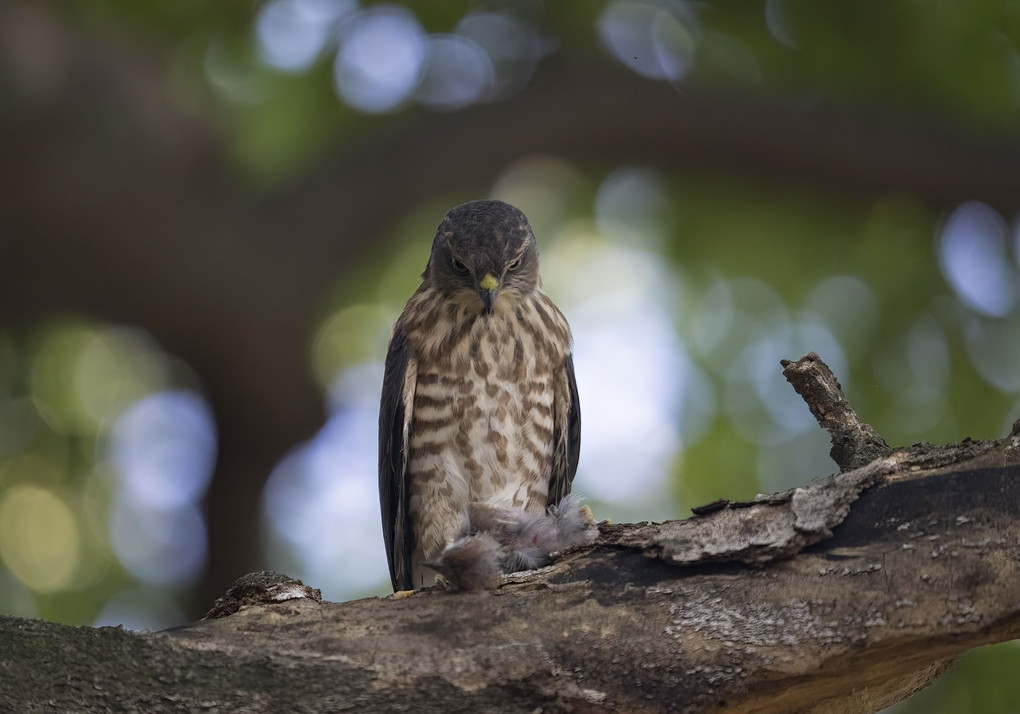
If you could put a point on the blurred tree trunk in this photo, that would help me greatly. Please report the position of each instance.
(117, 202)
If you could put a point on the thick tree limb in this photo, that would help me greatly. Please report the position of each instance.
(842, 596)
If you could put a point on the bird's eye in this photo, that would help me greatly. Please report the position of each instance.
(514, 265)
(459, 267)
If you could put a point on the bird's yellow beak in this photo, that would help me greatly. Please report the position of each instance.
(488, 289)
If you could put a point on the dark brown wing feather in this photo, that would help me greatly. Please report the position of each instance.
(569, 435)
(393, 481)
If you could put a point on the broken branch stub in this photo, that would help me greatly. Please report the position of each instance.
(854, 443)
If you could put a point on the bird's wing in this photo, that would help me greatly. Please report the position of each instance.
(394, 440)
(567, 426)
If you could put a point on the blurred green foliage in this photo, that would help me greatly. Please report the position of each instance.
(937, 63)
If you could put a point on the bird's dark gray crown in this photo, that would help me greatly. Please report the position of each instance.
(491, 230)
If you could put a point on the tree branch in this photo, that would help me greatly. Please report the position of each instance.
(846, 595)
(854, 443)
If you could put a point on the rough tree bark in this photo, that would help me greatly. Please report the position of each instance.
(845, 595)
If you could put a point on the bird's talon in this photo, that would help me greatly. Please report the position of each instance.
(586, 515)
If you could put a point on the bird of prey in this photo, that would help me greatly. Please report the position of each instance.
(479, 409)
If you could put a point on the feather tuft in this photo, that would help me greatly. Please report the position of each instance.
(504, 540)
(470, 563)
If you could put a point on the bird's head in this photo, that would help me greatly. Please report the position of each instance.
(484, 248)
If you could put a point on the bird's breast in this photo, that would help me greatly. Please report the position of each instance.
(483, 409)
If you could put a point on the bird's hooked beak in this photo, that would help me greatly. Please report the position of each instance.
(488, 290)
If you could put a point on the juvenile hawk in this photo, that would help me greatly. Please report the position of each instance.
(479, 403)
